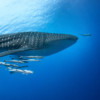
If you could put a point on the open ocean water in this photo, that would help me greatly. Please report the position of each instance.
(72, 74)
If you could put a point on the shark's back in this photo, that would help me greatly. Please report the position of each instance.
(18, 40)
(12, 41)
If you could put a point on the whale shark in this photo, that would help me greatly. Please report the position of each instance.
(34, 43)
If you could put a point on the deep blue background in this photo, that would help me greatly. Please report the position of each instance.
(72, 74)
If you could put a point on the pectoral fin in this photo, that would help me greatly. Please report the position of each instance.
(5, 53)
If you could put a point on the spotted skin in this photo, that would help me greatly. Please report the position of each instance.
(16, 42)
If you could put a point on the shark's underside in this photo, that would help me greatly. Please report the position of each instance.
(34, 43)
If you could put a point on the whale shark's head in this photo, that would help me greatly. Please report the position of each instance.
(60, 41)
(57, 42)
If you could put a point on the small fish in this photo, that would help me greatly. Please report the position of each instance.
(5, 64)
(19, 71)
(31, 60)
(1, 63)
(88, 34)
(27, 72)
(14, 61)
(14, 70)
(37, 57)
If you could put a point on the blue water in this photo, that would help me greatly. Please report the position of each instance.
(72, 74)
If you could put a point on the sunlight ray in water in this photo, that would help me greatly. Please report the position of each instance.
(27, 15)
